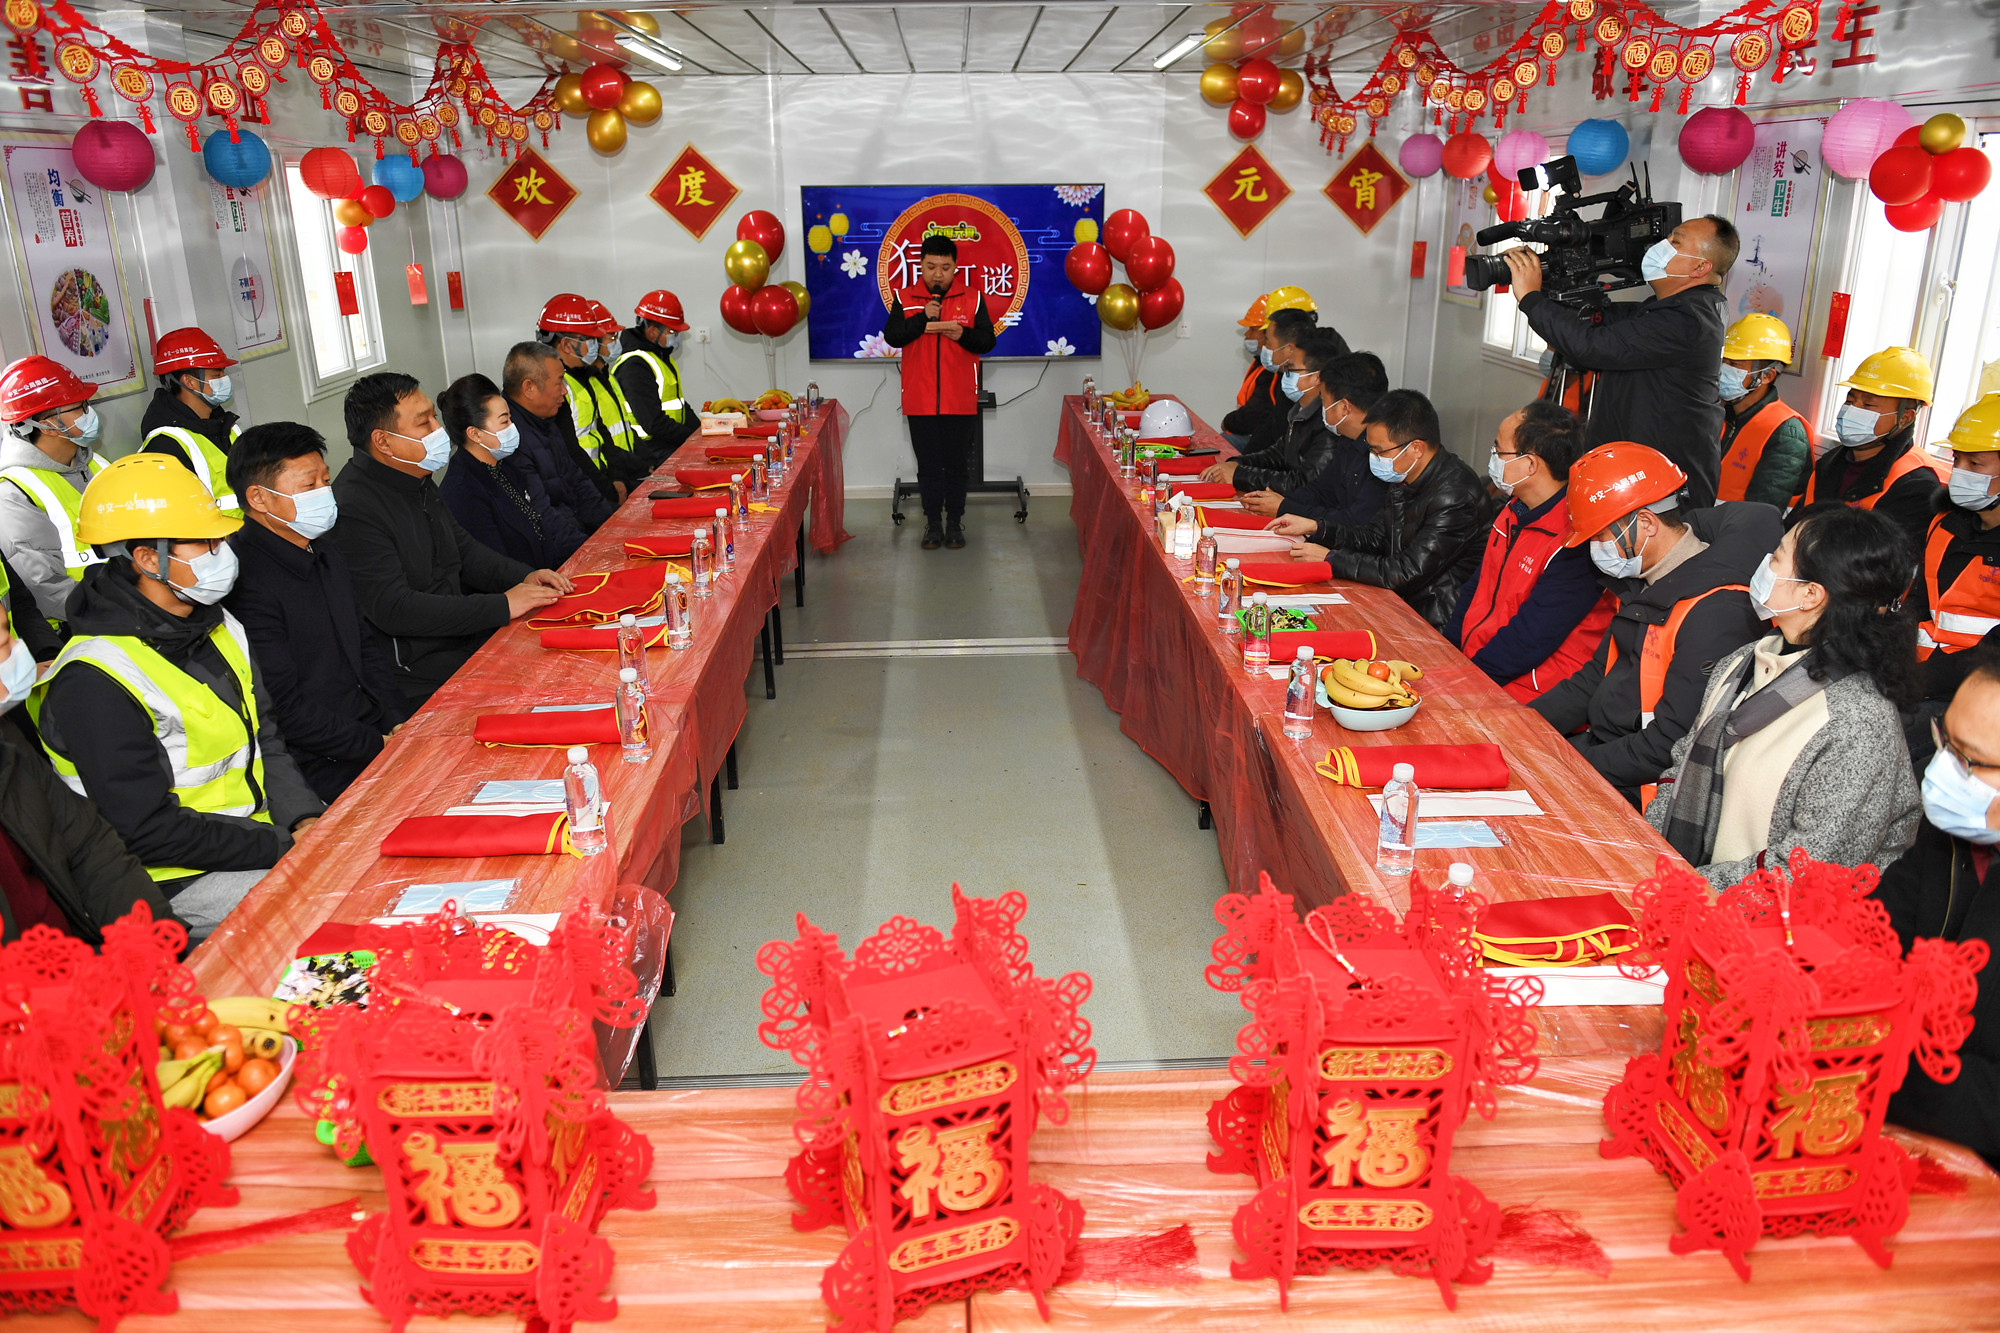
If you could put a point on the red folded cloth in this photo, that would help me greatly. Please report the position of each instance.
(591, 637)
(758, 430)
(702, 478)
(1354, 643)
(593, 726)
(694, 506)
(1184, 467)
(477, 835)
(602, 597)
(1289, 574)
(1241, 520)
(1480, 767)
(718, 452)
(1204, 490)
(660, 548)
(1585, 929)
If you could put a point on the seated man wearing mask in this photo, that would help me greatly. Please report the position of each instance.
(1766, 448)
(1880, 465)
(1957, 599)
(1307, 445)
(1425, 541)
(1345, 490)
(535, 388)
(156, 709)
(1264, 428)
(188, 419)
(649, 383)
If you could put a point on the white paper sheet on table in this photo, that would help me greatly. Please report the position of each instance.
(470, 895)
(515, 808)
(519, 791)
(1591, 985)
(1220, 504)
(1470, 804)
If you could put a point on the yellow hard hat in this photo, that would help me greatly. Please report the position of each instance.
(1977, 430)
(149, 496)
(1893, 372)
(1758, 338)
(1288, 298)
(1254, 317)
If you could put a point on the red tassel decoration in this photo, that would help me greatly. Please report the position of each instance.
(229, 123)
(1934, 1177)
(146, 118)
(90, 100)
(381, 153)
(1742, 88)
(1549, 1237)
(350, 131)
(1632, 86)
(413, 157)
(194, 140)
(1552, 74)
(1656, 98)
(1165, 1260)
(1778, 70)
(326, 100)
(1687, 91)
(333, 1217)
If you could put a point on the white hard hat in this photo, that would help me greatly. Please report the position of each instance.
(1164, 419)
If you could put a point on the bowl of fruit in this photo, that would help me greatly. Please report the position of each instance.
(1368, 695)
(231, 1065)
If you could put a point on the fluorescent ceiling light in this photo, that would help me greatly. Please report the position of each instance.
(1179, 49)
(651, 52)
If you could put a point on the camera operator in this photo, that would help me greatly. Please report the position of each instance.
(1656, 360)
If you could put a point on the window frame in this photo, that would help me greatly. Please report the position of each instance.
(317, 386)
(1525, 349)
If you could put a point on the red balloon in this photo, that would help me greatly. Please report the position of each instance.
(1088, 266)
(1466, 155)
(1512, 205)
(602, 86)
(1162, 305)
(765, 229)
(1901, 176)
(1910, 138)
(1497, 176)
(736, 310)
(773, 309)
(1123, 230)
(330, 173)
(1257, 81)
(377, 200)
(1259, 31)
(1150, 264)
(1958, 176)
(1246, 119)
(352, 240)
(1920, 215)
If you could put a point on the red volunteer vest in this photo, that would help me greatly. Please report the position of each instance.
(1962, 614)
(1909, 461)
(940, 378)
(1514, 560)
(1740, 463)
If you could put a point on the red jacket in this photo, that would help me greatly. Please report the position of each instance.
(940, 375)
(1514, 559)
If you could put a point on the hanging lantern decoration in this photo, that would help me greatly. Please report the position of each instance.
(135, 86)
(1466, 155)
(240, 163)
(399, 176)
(1421, 155)
(330, 173)
(113, 154)
(184, 104)
(444, 176)
(1859, 133)
(1518, 150)
(1599, 146)
(1717, 139)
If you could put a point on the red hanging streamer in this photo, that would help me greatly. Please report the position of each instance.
(1687, 91)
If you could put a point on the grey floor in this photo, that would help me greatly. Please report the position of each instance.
(882, 773)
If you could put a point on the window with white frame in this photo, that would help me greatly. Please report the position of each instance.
(1968, 359)
(1506, 327)
(342, 346)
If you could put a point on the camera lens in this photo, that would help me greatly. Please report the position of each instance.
(1483, 271)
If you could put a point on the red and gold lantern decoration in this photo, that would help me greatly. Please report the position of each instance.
(1367, 1042)
(1792, 1014)
(929, 1061)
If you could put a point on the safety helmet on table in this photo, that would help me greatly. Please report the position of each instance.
(1164, 419)
(1614, 480)
(1758, 337)
(1977, 430)
(147, 497)
(35, 384)
(662, 307)
(1254, 317)
(1894, 372)
(568, 313)
(1288, 298)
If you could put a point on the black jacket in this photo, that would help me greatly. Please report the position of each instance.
(77, 856)
(167, 409)
(1656, 362)
(95, 723)
(1909, 504)
(548, 444)
(333, 689)
(434, 591)
(1260, 409)
(1425, 541)
(642, 394)
(1300, 455)
(1345, 491)
(1604, 707)
(1932, 891)
(506, 507)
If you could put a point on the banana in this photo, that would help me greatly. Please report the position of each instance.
(718, 406)
(1403, 670)
(250, 1011)
(263, 1043)
(774, 398)
(1347, 698)
(192, 1086)
(1356, 678)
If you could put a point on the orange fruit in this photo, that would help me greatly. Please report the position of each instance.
(189, 1047)
(173, 1034)
(224, 1099)
(230, 1039)
(256, 1075)
(204, 1023)
(1379, 670)
(218, 1079)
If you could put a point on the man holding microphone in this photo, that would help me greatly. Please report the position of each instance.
(943, 327)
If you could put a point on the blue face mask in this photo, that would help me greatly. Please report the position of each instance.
(1290, 384)
(17, 676)
(314, 513)
(1856, 426)
(1654, 266)
(505, 441)
(218, 392)
(1731, 383)
(436, 445)
(1956, 801)
(1265, 359)
(1384, 468)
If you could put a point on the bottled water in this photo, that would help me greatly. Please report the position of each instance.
(1205, 552)
(631, 644)
(1257, 635)
(679, 612)
(585, 800)
(760, 479)
(701, 558)
(1185, 532)
(631, 705)
(725, 541)
(1229, 595)
(1299, 697)
(1396, 843)
(1460, 878)
(739, 496)
(778, 457)
(1128, 454)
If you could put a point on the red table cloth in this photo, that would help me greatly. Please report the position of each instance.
(477, 835)
(593, 726)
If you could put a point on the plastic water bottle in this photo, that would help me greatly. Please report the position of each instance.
(1128, 455)
(1186, 532)
(1396, 843)
(679, 612)
(1257, 635)
(778, 456)
(760, 479)
(631, 705)
(812, 397)
(725, 540)
(585, 799)
(631, 644)
(1460, 878)
(1205, 552)
(1229, 595)
(1299, 697)
(739, 495)
(701, 557)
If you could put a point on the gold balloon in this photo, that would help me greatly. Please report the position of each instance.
(645, 23)
(351, 213)
(1118, 306)
(606, 130)
(746, 264)
(1218, 84)
(819, 239)
(1293, 42)
(1221, 45)
(1291, 90)
(569, 95)
(565, 47)
(798, 290)
(594, 22)
(640, 103)
(1490, 195)
(1942, 133)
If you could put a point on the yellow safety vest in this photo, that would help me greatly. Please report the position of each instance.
(211, 748)
(56, 496)
(206, 461)
(667, 382)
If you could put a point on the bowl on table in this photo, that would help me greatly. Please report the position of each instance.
(771, 413)
(238, 1122)
(1367, 719)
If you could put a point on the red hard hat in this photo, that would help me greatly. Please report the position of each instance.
(568, 313)
(34, 385)
(662, 307)
(188, 349)
(1614, 480)
(606, 321)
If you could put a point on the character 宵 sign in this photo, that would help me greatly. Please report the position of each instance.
(1248, 190)
(532, 192)
(694, 192)
(1366, 187)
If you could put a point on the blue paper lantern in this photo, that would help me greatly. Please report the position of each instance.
(399, 176)
(1599, 146)
(241, 164)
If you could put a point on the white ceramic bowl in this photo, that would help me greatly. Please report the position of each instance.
(1370, 719)
(238, 1122)
(770, 414)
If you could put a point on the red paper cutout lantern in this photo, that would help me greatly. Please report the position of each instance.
(1466, 155)
(330, 173)
(929, 1061)
(1792, 1014)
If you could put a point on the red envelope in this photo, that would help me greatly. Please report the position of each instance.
(1183, 467)
(1481, 767)
(1204, 490)
(1289, 574)
(595, 726)
(478, 835)
(1241, 520)
(703, 478)
(1353, 643)
(719, 452)
(603, 597)
(694, 506)
(660, 548)
(588, 638)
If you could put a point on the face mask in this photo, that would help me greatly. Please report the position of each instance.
(671, 343)
(1385, 468)
(1956, 801)
(218, 392)
(1856, 426)
(1265, 359)
(214, 575)
(505, 441)
(313, 513)
(1290, 384)
(1762, 584)
(1731, 383)
(1654, 266)
(1334, 425)
(437, 449)
(17, 676)
(1254, 347)
(1972, 490)
(1496, 470)
(1614, 562)
(85, 430)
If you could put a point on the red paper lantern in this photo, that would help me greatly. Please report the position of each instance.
(1088, 267)
(736, 310)
(1901, 175)
(330, 173)
(1162, 305)
(1959, 175)
(352, 240)
(774, 310)
(1246, 119)
(378, 200)
(1717, 139)
(1150, 263)
(1917, 215)
(113, 154)
(602, 86)
(1466, 155)
(1123, 230)
(1257, 82)
(765, 229)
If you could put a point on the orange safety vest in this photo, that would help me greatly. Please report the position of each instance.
(1907, 462)
(1578, 384)
(1740, 463)
(1249, 383)
(1656, 655)
(1962, 614)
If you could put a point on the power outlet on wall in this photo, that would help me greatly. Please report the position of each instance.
(1186, 330)
(701, 335)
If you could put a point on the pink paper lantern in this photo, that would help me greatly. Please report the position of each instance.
(1716, 139)
(113, 154)
(1421, 155)
(444, 176)
(1860, 132)
(1518, 150)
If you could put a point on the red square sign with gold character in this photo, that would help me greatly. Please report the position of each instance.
(532, 192)
(694, 192)
(1366, 187)
(1248, 190)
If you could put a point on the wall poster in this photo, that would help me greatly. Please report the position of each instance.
(68, 258)
(242, 230)
(1464, 216)
(1779, 189)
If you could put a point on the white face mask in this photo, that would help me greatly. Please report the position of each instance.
(1265, 359)
(1653, 266)
(17, 676)
(1972, 490)
(214, 575)
(1496, 470)
(1762, 585)
(1384, 468)
(83, 431)
(1254, 346)
(1856, 426)
(1334, 425)
(313, 512)
(1608, 558)
(1732, 383)
(218, 392)
(1956, 801)
(671, 343)
(437, 448)
(505, 441)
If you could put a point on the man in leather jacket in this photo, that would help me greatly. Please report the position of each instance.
(1429, 537)
(1306, 446)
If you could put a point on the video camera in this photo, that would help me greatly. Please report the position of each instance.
(1585, 259)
